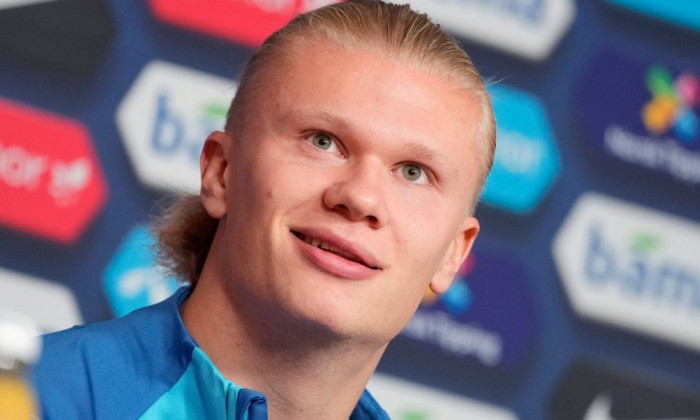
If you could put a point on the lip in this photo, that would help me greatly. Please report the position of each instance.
(345, 259)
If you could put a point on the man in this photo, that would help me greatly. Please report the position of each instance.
(342, 187)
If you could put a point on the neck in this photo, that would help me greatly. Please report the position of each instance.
(303, 372)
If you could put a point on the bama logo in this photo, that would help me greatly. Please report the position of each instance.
(526, 28)
(487, 315)
(526, 161)
(132, 278)
(632, 267)
(51, 183)
(685, 13)
(405, 400)
(242, 21)
(643, 113)
(164, 119)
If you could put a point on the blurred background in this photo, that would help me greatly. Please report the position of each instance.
(582, 297)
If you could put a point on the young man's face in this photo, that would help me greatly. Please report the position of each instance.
(347, 193)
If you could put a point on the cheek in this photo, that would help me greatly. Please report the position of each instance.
(424, 228)
(423, 243)
(256, 181)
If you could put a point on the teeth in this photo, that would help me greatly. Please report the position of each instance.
(313, 242)
(328, 247)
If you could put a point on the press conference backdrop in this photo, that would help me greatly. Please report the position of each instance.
(581, 299)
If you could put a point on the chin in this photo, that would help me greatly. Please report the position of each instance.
(352, 330)
(332, 326)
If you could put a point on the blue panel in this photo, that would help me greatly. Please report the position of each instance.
(681, 12)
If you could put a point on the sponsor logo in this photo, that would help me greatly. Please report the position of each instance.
(242, 21)
(52, 188)
(132, 278)
(164, 119)
(527, 28)
(680, 12)
(527, 161)
(588, 392)
(404, 400)
(486, 315)
(643, 114)
(632, 267)
(672, 103)
(66, 36)
(50, 306)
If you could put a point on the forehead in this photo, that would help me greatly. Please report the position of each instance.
(322, 70)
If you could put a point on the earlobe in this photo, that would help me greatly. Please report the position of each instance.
(457, 252)
(213, 164)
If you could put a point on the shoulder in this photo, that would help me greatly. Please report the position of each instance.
(120, 366)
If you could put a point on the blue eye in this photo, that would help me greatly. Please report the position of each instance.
(324, 142)
(411, 172)
(414, 173)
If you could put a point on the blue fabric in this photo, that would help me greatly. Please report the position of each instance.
(145, 365)
(202, 392)
(368, 409)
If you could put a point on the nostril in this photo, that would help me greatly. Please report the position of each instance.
(356, 200)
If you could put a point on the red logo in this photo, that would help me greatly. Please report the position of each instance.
(243, 21)
(51, 183)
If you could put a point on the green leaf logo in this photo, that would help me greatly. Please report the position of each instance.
(217, 111)
(644, 242)
(414, 415)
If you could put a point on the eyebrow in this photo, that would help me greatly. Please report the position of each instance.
(423, 153)
(324, 116)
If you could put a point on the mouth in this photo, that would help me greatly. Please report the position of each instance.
(334, 250)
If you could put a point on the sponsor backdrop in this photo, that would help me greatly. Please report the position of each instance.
(582, 297)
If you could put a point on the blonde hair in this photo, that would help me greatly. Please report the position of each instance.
(186, 231)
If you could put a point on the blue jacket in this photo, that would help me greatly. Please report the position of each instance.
(145, 365)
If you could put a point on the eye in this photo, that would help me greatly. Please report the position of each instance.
(324, 142)
(415, 174)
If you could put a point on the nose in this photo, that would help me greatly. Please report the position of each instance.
(357, 193)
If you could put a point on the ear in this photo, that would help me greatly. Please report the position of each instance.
(457, 252)
(213, 164)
